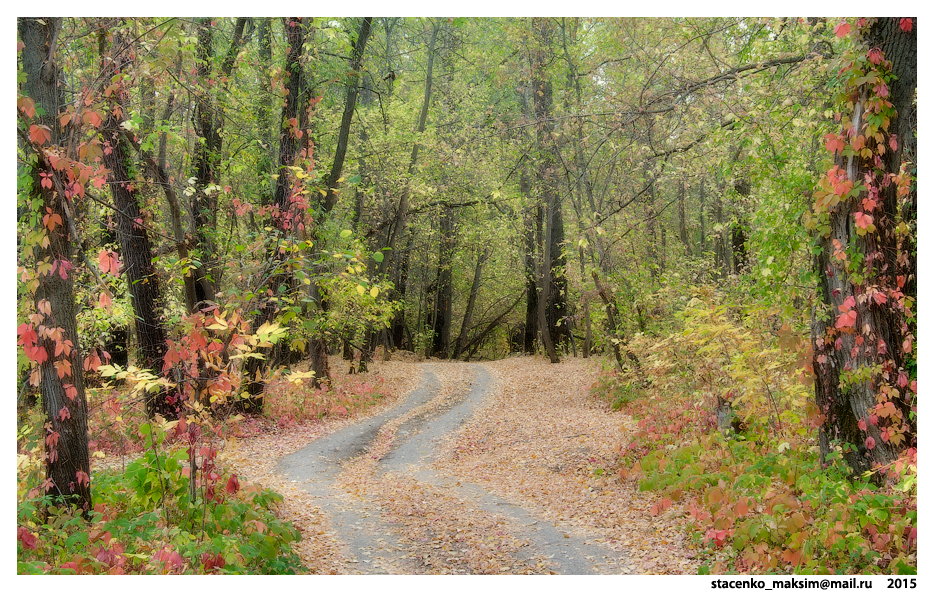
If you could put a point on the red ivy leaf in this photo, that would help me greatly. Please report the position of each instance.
(842, 29)
(848, 319)
(40, 134)
(28, 539)
(233, 485)
(870, 443)
(847, 305)
(875, 56)
(905, 24)
(862, 424)
(863, 220)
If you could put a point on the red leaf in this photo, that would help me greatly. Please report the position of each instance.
(40, 134)
(862, 424)
(27, 335)
(847, 305)
(28, 539)
(863, 220)
(875, 56)
(848, 319)
(903, 379)
(104, 301)
(870, 443)
(233, 485)
(905, 24)
(842, 29)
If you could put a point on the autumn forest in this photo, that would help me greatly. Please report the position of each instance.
(361, 295)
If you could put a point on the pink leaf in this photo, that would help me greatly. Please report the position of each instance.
(847, 305)
(842, 29)
(863, 220)
(903, 379)
(870, 443)
(848, 319)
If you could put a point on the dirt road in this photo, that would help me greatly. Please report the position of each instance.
(494, 468)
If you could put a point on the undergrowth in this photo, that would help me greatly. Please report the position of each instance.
(154, 518)
(752, 486)
(149, 515)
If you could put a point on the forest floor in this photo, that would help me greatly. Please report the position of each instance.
(504, 467)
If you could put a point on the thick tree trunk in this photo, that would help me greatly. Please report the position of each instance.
(557, 306)
(136, 248)
(137, 251)
(67, 463)
(871, 324)
(542, 105)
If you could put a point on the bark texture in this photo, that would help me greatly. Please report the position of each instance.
(881, 331)
(62, 396)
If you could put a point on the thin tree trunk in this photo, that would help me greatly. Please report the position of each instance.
(683, 228)
(469, 312)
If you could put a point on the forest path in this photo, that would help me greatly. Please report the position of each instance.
(494, 468)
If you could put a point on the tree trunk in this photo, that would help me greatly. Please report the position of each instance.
(350, 103)
(557, 306)
(871, 324)
(137, 251)
(283, 218)
(144, 284)
(542, 105)
(67, 463)
(683, 227)
(469, 312)
(611, 310)
(532, 236)
(441, 342)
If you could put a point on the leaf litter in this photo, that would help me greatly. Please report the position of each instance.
(540, 441)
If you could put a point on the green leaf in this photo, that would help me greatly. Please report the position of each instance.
(378, 256)
(346, 233)
(353, 180)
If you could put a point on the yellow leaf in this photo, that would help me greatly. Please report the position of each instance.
(360, 289)
(374, 292)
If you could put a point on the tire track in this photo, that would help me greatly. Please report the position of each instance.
(375, 545)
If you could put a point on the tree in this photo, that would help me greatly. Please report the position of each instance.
(551, 295)
(288, 216)
(864, 214)
(51, 338)
(145, 286)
